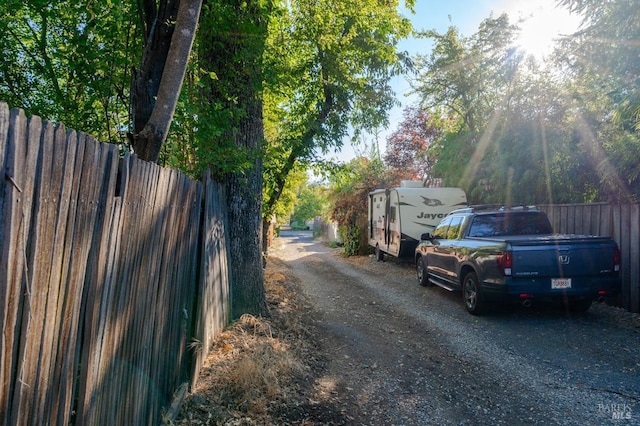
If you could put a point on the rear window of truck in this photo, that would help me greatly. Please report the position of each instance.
(501, 224)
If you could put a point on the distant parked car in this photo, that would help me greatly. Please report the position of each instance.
(496, 254)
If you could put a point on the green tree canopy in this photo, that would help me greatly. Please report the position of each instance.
(602, 58)
(70, 62)
(466, 77)
(328, 66)
(525, 133)
(312, 201)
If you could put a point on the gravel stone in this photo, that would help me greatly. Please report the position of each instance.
(401, 354)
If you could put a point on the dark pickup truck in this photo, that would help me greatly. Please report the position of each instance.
(511, 254)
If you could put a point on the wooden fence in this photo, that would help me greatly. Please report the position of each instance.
(109, 274)
(619, 221)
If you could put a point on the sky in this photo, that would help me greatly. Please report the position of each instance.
(542, 21)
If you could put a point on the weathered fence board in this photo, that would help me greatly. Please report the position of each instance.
(29, 311)
(213, 289)
(11, 264)
(634, 259)
(99, 279)
(39, 266)
(5, 291)
(623, 240)
(56, 184)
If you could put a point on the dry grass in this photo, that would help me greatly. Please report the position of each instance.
(256, 365)
(261, 366)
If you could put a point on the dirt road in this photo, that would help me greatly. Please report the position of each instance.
(401, 354)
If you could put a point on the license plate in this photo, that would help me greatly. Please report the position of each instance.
(561, 283)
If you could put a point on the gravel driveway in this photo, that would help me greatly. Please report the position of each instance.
(401, 354)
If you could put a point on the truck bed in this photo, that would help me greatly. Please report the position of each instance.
(558, 255)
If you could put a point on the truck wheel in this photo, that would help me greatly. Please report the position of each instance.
(471, 294)
(421, 269)
(379, 254)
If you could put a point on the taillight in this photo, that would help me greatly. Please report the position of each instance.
(616, 259)
(505, 262)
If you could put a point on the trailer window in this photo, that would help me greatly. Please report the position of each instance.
(392, 214)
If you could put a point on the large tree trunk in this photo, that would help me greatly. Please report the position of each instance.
(245, 226)
(231, 47)
(157, 84)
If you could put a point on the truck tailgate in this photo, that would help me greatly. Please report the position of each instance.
(559, 256)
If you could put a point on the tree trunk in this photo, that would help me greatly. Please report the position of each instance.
(245, 236)
(232, 44)
(244, 189)
(164, 63)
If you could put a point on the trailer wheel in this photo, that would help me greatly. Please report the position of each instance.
(379, 254)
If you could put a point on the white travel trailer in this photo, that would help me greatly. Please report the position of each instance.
(398, 216)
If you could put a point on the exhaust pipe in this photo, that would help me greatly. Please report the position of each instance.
(601, 299)
(526, 303)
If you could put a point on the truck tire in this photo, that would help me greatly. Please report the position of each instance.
(471, 294)
(421, 269)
